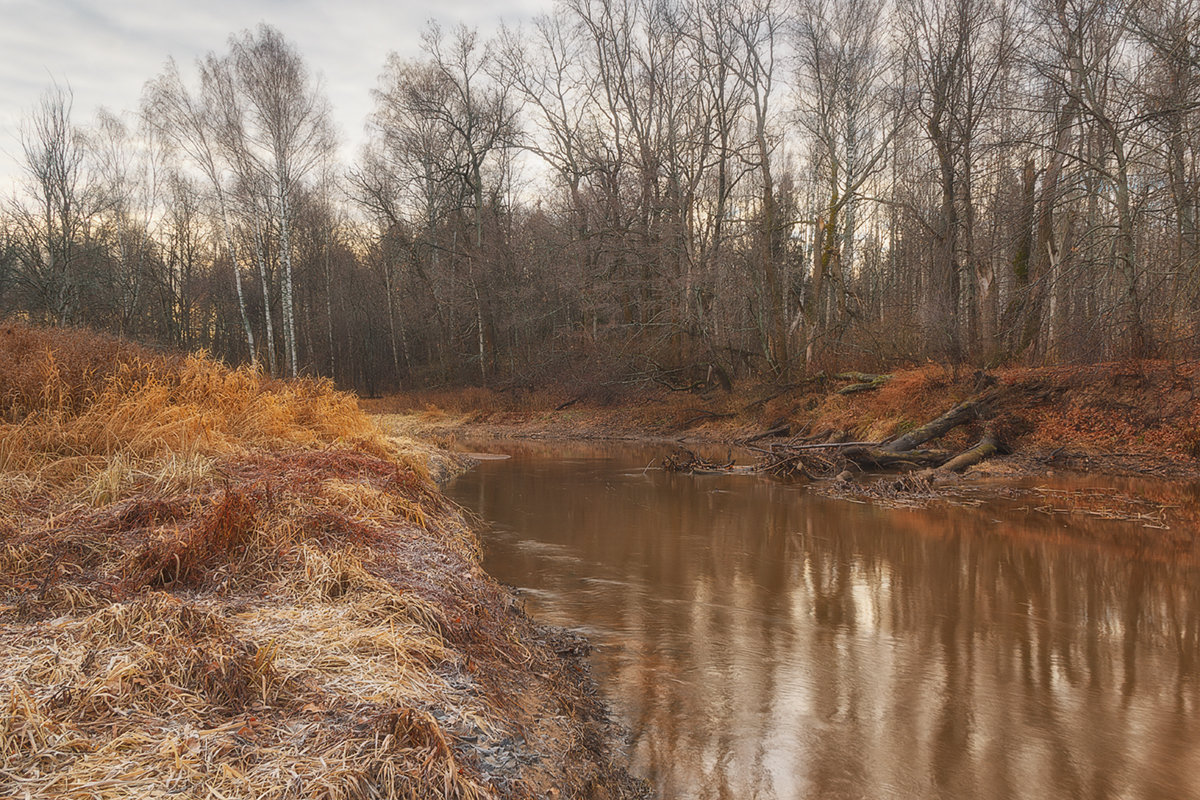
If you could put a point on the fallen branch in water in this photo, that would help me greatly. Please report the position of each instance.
(987, 447)
(684, 460)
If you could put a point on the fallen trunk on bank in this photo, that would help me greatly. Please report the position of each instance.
(987, 447)
(962, 413)
(823, 460)
(862, 382)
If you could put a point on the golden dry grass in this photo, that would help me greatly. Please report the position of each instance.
(216, 585)
(84, 411)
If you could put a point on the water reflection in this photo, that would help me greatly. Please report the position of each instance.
(761, 641)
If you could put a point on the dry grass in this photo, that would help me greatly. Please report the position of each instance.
(215, 585)
(86, 411)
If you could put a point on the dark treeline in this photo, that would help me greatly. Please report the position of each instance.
(626, 188)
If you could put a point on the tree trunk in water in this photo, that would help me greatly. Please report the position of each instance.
(883, 458)
(987, 447)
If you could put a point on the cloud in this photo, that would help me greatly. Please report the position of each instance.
(107, 50)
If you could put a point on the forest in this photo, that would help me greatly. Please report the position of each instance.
(627, 190)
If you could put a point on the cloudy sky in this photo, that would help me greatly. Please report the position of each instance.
(105, 50)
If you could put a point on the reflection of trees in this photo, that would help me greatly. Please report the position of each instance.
(764, 642)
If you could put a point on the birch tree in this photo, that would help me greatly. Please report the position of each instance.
(188, 121)
(287, 136)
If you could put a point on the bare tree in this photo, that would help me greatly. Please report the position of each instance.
(678, 189)
(1091, 62)
(287, 136)
(189, 123)
(958, 55)
(126, 180)
(849, 110)
(758, 25)
(52, 227)
(456, 119)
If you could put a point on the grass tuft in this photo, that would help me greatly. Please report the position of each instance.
(214, 584)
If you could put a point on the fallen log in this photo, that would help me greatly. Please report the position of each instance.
(858, 377)
(810, 465)
(865, 383)
(684, 460)
(826, 446)
(883, 458)
(699, 414)
(740, 469)
(783, 389)
(963, 412)
(569, 403)
(782, 430)
(780, 427)
(987, 447)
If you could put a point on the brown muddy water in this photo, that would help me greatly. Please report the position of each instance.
(761, 641)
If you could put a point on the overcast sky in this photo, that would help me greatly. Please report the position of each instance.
(105, 50)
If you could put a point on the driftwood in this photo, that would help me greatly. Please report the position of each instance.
(837, 458)
(828, 446)
(777, 429)
(858, 377)
(882, 458)
(684, 460)
(698, 414)
(782, 389)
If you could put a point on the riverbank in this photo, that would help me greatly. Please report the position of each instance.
(217, 585)
(1127, 418)
(1111, 442)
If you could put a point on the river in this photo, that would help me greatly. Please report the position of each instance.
(759, 640)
